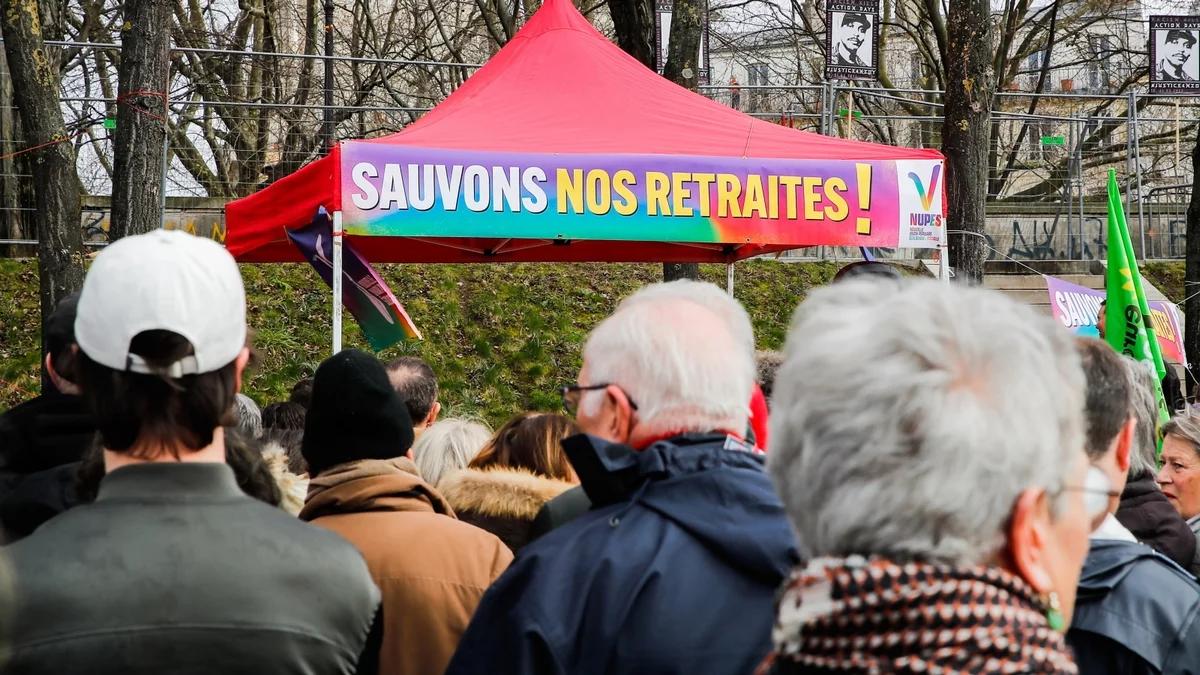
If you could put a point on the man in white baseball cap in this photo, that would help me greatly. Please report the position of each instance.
(173, 568)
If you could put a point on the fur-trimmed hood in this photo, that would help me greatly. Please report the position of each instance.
(503, 501)
(501, 492)
(292, 488)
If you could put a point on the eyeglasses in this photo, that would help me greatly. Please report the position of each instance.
(571, 396)
(1097, 491)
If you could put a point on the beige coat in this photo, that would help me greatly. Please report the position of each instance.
(431, 568)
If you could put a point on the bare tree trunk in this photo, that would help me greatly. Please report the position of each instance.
(141, 118)
(966, 130)
(14, 192)
(633, 23)
(56, 187)
(1191, 278)
(683, 68)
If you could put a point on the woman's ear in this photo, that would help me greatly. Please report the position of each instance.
(1028, 535)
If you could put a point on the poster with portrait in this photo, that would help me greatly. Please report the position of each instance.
(852, 40)
(1174, 61)
(662, 38)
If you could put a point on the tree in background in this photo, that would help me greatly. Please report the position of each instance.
(35, 77)
(140, 147)
(966, 129)
(633, 24)
(683, 68)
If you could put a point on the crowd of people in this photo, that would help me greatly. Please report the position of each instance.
(948, 483)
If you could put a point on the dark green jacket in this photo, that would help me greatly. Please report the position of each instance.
(174, 570)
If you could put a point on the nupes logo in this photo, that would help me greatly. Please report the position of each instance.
(926, 192)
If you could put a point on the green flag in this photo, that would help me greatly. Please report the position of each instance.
(1127, 316)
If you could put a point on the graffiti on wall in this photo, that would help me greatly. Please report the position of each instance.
(200, 223)
(1035, 237)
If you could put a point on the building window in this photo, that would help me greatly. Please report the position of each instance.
(1099, 72)
(1033, 66)
(758, 76)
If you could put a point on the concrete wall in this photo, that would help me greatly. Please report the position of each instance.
(198, 215)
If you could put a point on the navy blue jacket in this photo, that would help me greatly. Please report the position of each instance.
(1136, 613)
(674, 570)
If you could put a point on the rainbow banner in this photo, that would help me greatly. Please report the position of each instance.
(389, 190)
(1076, 307)
(364, 293)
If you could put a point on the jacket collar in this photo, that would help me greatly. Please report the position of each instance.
(1111, 529)
(170, 482)
(609, 472)
(1140, 486)
(1109, 561)
(372, 485)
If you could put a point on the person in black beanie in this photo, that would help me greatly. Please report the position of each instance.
(355, 414)
(364, 488)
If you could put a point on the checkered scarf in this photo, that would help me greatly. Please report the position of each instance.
(874, 616)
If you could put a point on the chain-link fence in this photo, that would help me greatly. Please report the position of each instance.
(1048, 159)
(242, 119)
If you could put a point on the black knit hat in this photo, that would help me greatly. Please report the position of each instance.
(355, 414)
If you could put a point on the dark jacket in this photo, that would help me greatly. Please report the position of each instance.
(1145, 511)
(674, 570)
(44, 432)
(41, 441)
(1136, 612)
(173, 569)
(501, 500)
(559, 511)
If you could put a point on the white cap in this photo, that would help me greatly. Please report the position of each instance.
(163, 280)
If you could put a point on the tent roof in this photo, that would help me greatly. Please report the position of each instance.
(558, 86)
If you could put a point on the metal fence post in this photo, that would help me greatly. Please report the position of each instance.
(1081, 185)
(328, 127)
(1068, 187)
(824, 108)
(1135, 151)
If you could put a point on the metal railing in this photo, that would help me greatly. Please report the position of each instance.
(1048, 164)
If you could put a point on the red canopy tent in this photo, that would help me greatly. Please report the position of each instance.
(560, 88)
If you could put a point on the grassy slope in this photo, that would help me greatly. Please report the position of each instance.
(1166, 277)
(502, 338)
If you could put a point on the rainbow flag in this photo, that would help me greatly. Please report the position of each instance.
(364, 293)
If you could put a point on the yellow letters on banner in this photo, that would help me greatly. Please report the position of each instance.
(599, 192)
(838, 210)
(790, 183)
(570, 187)
(755, 200)
(704, 183)
(773, 197)
(811, 198)
(686, 194)
(1162, 326)
(680, 193)
(657, 187)
(627, 204)
(729, 188)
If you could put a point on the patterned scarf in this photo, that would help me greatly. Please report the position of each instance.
(856, 615)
